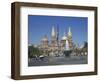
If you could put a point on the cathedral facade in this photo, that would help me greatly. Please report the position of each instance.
(56, 45)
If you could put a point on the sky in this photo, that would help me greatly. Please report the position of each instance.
(39, 26)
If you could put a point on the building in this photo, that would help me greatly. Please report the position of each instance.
(44, 43)
(56, 45)
(70, 38)
(63, 41)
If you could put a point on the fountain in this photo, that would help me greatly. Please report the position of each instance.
(67, 50)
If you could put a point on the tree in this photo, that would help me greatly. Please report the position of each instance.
(30, 51)
(34, 52)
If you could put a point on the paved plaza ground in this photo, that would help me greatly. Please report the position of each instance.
(61, 60)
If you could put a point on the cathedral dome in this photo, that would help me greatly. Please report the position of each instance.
(64, 36)
(45, 38)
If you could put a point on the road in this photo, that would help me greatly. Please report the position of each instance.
(62, 60)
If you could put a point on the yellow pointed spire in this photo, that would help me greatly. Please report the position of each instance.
(53, 33)
(69, 32)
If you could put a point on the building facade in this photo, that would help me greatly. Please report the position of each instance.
(56, 46)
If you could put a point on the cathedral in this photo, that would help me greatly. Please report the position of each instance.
(55, 46)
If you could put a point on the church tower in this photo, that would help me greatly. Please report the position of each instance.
(54, 45)
(53, 34)
(70, 38)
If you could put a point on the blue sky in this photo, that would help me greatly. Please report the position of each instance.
(38, 26)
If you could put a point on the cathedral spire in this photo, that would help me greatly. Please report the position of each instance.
(69, 33)
(53, 33)
(57, 33)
